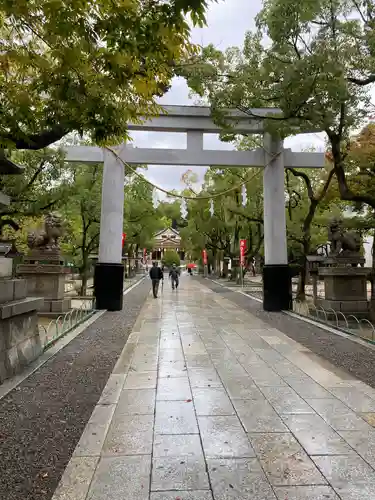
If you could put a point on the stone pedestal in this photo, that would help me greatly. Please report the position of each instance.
(345, 290)
(45, 277)
(19, 335)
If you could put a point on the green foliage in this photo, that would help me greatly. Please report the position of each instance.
(171, 257)
(44, 186)
(82, 214)
(317, 67)
(141, 219)
(89, 67)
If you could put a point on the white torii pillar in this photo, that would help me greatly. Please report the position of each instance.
(109, 271)
(277, 280)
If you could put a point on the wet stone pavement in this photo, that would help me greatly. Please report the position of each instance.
(209, 402)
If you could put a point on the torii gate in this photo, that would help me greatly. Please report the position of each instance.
(195, 121)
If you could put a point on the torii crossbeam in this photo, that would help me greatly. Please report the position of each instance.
(195, 122)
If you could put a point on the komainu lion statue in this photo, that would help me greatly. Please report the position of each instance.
(343, 242)
(47, 238)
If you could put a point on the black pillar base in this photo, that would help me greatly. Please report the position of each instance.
(277, 288)
(109, 286)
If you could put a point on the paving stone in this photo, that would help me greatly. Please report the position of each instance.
(258, 416)
(212, 401)
(102, 415)
(169, 369)
(369, 417)
(265, 377)
(170, 342)
(92, 439)
(356, 491)
(144, 365)
(224, 437)
(182, 495)
(284, 460)
(173, 445)
(239, 478)
(345, 469)
(229, 369)
(179, 473)
(140, 380)
(308, 388)
(175, 417)
(204, 377)
(316, 436)
(242, 388)
(123, 363)
(363, 443)
(288, 369)
(136, 402)
(76, 479)
(338, 415)
(117, 478)
(271, 356)
(130, 435)
(286, 400)
(353, 398)
(199, 361)
(112, 390)
(171, 355)
(305, 493)
(173, 389)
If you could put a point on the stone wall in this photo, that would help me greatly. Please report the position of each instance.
(19, 334)
(19, 343)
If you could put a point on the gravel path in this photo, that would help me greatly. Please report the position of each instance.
(343, 353)
(42, 420)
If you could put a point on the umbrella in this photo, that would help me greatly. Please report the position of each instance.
(191, 266)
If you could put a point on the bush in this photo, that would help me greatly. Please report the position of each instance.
(171, 257)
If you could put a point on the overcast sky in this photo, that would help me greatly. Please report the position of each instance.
(227, 23)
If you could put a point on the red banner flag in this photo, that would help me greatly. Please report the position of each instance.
(123, 238)
(242, 252)
(204, 255)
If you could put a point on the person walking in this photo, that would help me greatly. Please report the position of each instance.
(156, 274)
(174, 274)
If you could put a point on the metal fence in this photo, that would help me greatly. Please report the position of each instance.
(360, 327)
(64, 323)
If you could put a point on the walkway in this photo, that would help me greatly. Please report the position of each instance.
(209, 402)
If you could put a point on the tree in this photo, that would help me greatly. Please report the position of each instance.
(305, 201)
(221, 231)
(141, 219)
(82, 213)
(89, 67)
(171, 257)
(43, 186)
(317, 67)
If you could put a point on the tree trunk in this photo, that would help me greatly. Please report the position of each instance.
(301, 288)
(84, 274)
(372, 281)
(225, 267)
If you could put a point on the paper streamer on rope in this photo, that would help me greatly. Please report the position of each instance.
(212, 209)
(183, 209)
(155, 199)
(244, 196)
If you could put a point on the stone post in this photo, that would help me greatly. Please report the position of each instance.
(109, 271)
(277, 289)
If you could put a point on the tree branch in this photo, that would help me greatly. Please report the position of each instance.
(36, 141)
(362, 82)
(306, 178)
(35, 176)
(247, 217)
